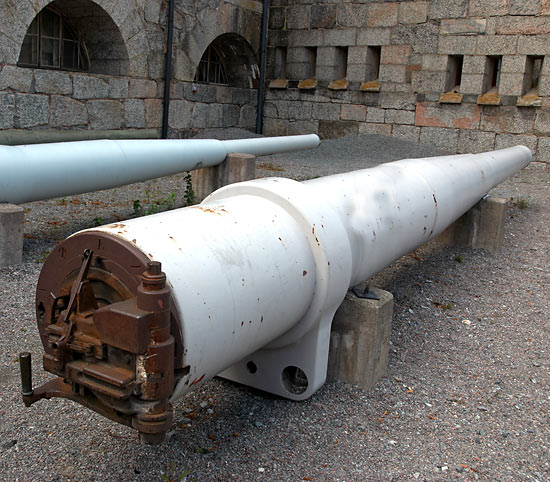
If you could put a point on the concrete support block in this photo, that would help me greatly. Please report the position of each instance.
(359, 341)
(12, 221)
(236, 168)
(481, 227)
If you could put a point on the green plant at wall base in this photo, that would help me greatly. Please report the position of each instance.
(136, 204)
(153, 206)
(519, 202)
(156, 205)
(189, 195)
(172, 476)
(43, 256)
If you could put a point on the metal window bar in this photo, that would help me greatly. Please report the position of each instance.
(50, 39)
(29, 49)
(50, 44)
(211, 68)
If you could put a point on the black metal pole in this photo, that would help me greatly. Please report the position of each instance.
(263, 42)
(168, 69)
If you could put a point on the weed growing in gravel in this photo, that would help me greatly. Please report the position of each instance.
(172, 476)
(43, 256)
(444, 306)
(136, 205)
(459, 258)
(98, 221)
(154, 205)
(189, 194)
(520, 202)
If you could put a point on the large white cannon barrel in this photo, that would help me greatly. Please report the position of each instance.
(255, 274)
(43, 171)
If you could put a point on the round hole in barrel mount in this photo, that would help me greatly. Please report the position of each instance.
(252, 368)
(294, 380)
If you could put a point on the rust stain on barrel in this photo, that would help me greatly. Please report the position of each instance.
(197, 380)
(218, 211)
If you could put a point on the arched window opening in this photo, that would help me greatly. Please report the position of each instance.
(211, 68)
(229, 60)
(51, 42)
(75, 35)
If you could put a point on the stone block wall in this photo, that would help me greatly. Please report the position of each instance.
(195, 106)
(416, 39)
(68, 100)
(44, 99)
(128, 93)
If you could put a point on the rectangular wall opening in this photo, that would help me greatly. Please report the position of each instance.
(311, 60)
(280, 62)
(531, 77)
(453, 78)
(341, 63)
(373, 63)
(491, 76)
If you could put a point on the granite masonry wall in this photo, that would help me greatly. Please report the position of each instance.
(465, 75)
(124, 87)
(391, 67)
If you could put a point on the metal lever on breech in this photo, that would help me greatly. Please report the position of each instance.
(26, 373)
(48, 390)
(75, 290)
(25, 360)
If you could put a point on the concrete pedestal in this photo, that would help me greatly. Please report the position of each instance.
(235, 168)
(12, 221)
(360, 339)
(481, 227)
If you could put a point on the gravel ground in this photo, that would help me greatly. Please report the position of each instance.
(466, 395)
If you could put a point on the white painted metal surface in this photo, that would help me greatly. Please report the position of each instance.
(43, 171)
(259, 268)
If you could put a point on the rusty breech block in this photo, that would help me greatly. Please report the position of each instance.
(141, 326)
(155, 368)
(116, 358)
